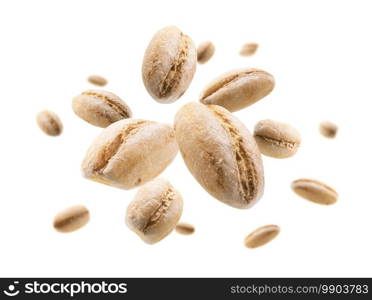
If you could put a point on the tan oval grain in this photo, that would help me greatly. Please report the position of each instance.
(49, 123)
(261, 236)
(129, 153)
(277, 139)
(220, 153)
(238, 89)
(315, 191)
(155, 211)
(248, 49)
(169, 64)
(100, 108)
(328, 129)
(71, 219)
(97, 80)
(205, 52)
(185, 228)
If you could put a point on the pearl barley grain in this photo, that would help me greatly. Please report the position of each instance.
(100, 108)
(220, 153)
(97, 80)
(315, 191)
(205, 52)
(328, 129)
(261, 236)
(248, 49)
(277, 139)
(238, 89)
(49, 122)
(154, 211)
(130, 152)
(71, 219)
(169, 64)
(185, 228)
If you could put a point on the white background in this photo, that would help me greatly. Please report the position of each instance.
(320, 55)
